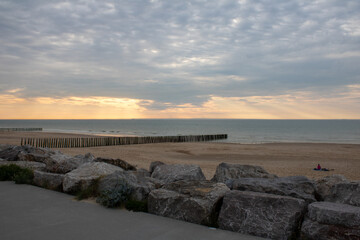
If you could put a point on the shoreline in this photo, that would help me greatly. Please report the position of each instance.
(282, 159)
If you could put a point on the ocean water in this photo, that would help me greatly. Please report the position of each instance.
(239, 131)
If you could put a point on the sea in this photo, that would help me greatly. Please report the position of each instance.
(249, 131)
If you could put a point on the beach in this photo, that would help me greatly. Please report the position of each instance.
(282, 159)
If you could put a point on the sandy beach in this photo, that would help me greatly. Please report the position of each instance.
(282, 159)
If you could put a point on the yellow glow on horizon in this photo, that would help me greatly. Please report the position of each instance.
(299, 105)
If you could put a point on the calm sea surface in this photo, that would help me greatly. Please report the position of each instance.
(239, 131)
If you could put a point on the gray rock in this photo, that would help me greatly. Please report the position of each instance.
(192, 201)
(153, 165)
(326, 220)
(25, 164)
(142, 172)
(117, 162)
(226, 171)
(261, 214)
(311, 230)
(347, 193)
(82, 177)
(140, 185)
(47, 180)
(61, 163)
(16, 153)
(295, 186)
(3, 147)
(325, 184)
(177, 172)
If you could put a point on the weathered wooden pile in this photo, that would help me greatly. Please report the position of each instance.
(112, 141)
(20, 129)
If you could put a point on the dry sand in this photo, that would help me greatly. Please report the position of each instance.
(282, 159)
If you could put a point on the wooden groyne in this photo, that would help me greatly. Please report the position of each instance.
(112, 141)
(20, 129)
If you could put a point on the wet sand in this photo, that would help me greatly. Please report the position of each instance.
(282, 159)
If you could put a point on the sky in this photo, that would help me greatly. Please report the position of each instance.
(257, 59)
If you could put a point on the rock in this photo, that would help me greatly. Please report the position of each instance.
(177, 172)
(82, 177)
(26, 164)
(192, 201)
(347, 193)
(3, 147)
(117, 162)
(326, 220)
(140, 185)
(227, 171)
(47, 180)
(142, 172)
(325, 184)
(153, 165)
(261, 214)
(16, 153)
(61, 163)
(295, 186)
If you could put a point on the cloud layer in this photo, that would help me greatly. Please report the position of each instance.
(183, 55)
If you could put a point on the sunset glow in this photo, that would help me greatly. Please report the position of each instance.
(179, 59)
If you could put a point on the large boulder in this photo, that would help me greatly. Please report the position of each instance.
(18, 153)
(82, 177)
(326, 220)
(193, 201)
(295, 186)
(226, 171)
(346, 193)
(48, 180)
(261, 214)
(140, 185)
(26, 164)
(117, 162)
(61, 163)
(177, 172)
(154, 165)
(325, 184)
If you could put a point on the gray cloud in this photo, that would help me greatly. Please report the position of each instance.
(178, 51)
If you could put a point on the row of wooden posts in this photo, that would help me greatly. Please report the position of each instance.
(20, 129)
(111, 141)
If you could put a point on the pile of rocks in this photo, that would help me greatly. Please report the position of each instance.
(240, 198)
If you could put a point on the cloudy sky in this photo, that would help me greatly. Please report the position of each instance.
(180, 59)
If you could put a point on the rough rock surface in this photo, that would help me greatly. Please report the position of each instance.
(295, 186)
(140, 185)
(47, 180)
(83, 176)
(26, 164)
(226, 171)
(177, 172)
(347, 193)
(16, 153)
(193, 201)
(261, 214)
(325, 184)
(142, 172)
(55, 161)
(326, 220)
(153, 165)
(61, 163)
(117, 162)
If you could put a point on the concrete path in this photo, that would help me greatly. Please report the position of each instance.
(29, 212)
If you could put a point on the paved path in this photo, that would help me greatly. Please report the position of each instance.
(28, 212)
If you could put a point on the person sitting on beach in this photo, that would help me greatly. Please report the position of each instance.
(319, 168)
